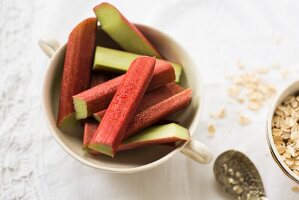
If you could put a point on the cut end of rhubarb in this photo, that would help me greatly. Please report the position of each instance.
(80, 108)
(97, 116)
(67, 121)
(102, 148)
(178, 71)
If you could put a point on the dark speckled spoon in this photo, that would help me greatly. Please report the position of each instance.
(238, 176)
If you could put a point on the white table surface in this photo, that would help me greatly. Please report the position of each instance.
(216, 33)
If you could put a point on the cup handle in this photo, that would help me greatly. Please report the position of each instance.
(49, 46)
(198, 152)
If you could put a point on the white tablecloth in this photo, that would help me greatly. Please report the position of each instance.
(216, 33)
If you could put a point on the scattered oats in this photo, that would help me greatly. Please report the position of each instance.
(238, 80)
(243, 120)
(219, 115)
(256, 95)
(262, 70)
(228, 77)
(250, 87)
(211, 129)
(234, 91)
(284, 73)
(240, 65)
(240, 100)
(271, 90)
(276, 66)
(254, 105)
(295, 189)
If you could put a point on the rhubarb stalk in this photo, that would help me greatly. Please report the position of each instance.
(151, 98)
(123, 106)
(160, 134)
(77, 67)
(158, 112)
(123, 32)
(98, 98)
(118, 61)
(98, 78)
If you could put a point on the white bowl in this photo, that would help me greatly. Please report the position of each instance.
(138, 159)
(289, 90)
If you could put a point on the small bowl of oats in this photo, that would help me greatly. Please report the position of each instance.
(283, 130)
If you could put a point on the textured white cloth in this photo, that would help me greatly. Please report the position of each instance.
(216, 33)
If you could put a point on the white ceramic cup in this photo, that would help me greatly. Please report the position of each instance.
(132, 160)
(291, 89)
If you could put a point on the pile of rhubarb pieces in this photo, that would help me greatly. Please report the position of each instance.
(118, 85)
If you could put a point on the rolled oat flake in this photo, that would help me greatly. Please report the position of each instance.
(238, 176)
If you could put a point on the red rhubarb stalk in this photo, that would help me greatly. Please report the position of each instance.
(123, 106)
(158, 112)
(98, 78)
(98, 98)
(151, 98)
(90, 127)
(77, 67)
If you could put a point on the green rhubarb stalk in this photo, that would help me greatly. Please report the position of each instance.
(160, 134)
(156, 135)
(122, 31)
(119, 61)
